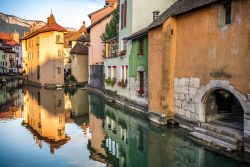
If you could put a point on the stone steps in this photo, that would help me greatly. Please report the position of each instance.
(223, 130)
(219, 136)
(214, 141)
(224, 137)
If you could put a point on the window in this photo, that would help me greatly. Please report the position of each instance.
(58, 38)
(38, 98)
(140, 47)
(125, 45)
(109, 71)
(126, 72)
(59, 70)
(114, 72)
(227, 7)
(17, 54)
(59, 53)
(124, 15)
(60, 132)
(38, 72)
(225, 13)
(140, 139)
(60, 119)
(59, 103)
(122, 72)
(122, 12)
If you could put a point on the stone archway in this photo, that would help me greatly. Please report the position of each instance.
(222, 107)
(201, 96)
(204, 91)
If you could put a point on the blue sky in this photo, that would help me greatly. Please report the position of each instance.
(68, 13)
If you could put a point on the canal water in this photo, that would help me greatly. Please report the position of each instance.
(60, 128)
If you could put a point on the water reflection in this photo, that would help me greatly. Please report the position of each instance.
(11, 103)
(121, 139)
(82, 129)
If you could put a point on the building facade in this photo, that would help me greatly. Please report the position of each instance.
(198, 71)
(43, 54)
(79, 57)
(99, 19)
(70, 40)
(132, 18)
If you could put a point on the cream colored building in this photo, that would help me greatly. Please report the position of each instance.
(70, 40)
(79, 57)
(43, 59)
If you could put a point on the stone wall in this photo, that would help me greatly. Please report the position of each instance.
(96, 76)
(134, 86)
(185, 90)
(190, 97)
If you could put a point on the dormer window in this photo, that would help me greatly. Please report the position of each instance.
(156, 14)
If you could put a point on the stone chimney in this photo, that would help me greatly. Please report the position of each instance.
(156, 14)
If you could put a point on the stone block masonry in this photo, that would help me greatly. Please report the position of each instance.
(185, 90)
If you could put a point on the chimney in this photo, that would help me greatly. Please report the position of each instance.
(83, 23)
(51, 20)
(156, 14)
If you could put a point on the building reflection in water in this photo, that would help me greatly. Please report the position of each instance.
(44, 116)
(122, 139)
(11, 103)
(118, 137)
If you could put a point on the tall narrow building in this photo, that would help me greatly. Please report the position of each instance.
(43, 54)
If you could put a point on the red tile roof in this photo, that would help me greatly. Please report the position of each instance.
(9, 40)
(50, 26)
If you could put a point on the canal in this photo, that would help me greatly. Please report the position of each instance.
(40, 127)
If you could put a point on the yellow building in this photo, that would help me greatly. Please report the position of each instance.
(43, 59)
(44, 116)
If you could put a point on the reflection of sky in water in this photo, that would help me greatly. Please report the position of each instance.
(18, 148)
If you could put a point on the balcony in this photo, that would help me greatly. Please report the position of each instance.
(110, 48)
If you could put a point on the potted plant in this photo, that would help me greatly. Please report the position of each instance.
(140, 91)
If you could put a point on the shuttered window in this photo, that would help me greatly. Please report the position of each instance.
(125, 14)
(122, 12)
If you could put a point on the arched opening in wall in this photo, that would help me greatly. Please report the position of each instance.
(222, 107)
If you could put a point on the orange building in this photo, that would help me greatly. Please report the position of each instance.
(199, 71)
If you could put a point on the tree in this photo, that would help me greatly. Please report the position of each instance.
(111, 29)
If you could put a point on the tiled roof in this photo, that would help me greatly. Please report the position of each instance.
(79, 49)
(137, 34)
(97, 11)
(180, 7)
(50, 26)
(79, 32)
(84, 38)
(7, 37)
(100, 20)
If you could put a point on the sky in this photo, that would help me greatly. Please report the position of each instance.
(68, 13)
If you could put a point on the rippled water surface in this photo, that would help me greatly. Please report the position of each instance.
(40, 127)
